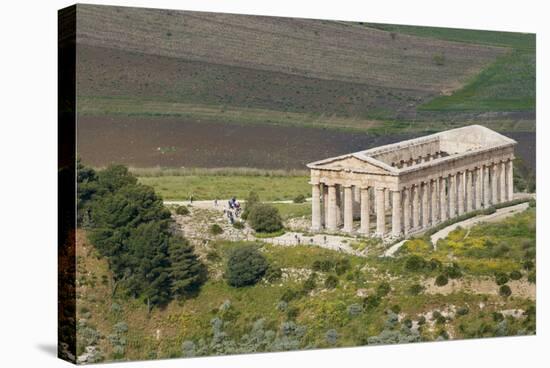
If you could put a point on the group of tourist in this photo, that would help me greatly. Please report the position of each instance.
(233, 211)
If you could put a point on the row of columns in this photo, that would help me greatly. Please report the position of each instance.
(415, 207)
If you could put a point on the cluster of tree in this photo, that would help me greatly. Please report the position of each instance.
(129, 225)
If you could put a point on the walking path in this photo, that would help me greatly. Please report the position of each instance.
(500, 214)
(209, 204)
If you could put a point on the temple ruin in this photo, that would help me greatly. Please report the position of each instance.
(414, 184)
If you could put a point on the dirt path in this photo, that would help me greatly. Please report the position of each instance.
(333, 242)
(211, 205)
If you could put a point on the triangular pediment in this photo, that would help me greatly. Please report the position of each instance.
(352, 163)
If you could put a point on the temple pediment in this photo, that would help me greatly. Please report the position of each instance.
(353, 163)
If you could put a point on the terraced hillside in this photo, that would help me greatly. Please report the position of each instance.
(147, 66)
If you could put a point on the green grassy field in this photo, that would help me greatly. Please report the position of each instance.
(509, 84)
(203, 187)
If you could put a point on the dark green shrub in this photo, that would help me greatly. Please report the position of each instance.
(441, 280)
(453, 272)
(501, 278)
(528, 265)
(505, 291)
(462, 311)
(383, 289)
(436, 314)
(532, 203)
(407, 323)
(371, 301)
(245, 266)
(273, 273)
(331, 337)
(300, 198)
(316, 265)
(310, 283)
(327, 265)
(331, 282)
(515, 275)
(435, 264)
(532, 278)
(250, 202)
(238, 225)
(395, 308)
(421, 320)
(497, 316)
(215, 229)
(440, 320)
(182, 210)
(342, 265)
(415, 263)
(265, 218)
(416, 289)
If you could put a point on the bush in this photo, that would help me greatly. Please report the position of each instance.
(251, 201)
(292, 312)
(441, 280)
(528, 265)
(515, 275)
(532, 278)
(300, 198)
(264, 218)
(462, 311)
(215, 229)
(372, 301)
(331, 337)
(501, 278)
(453, 272)
(342, 265)
(355, 309)
(383, 289)
(416, 289)
(310, 283)
(245, 266)
(182, 210)
(395, 308)
(421, 320)
(331, 282)
(505, 291)
(238, 225)
(273, 273)
(415, 263)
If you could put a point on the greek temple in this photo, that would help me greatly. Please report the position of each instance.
(407, 187)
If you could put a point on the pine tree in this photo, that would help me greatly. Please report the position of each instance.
(187, 272)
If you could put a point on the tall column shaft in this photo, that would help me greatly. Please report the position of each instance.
(442, 199)
(502, 177)
(348, 209)
(434, 201)
(365, 211)
(387, 203)
(477, 187)
(469, 191)
(415, 206)
(325, 205)
(510, 179)
(331, 220)
(315, 207)
(380, 212)
(425, 204)
(494, 184)
(460, 192)
(452, 196)
(486, 187)
(396, 213)
(339, 207)
(406, 210)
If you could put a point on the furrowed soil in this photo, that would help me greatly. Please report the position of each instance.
(177, 142)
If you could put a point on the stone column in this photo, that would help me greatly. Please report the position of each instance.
(477, 186)
(339, 207)
(460, 193)
(502, 176)
(331, 220)
(510, 179)
(442, 199)
(494, 184)
(348, 209)
(365, 211)
(315, 207)
(416, 206)
(396, 213)
(387, 203)
(406, 210)
(325, 205)
(486, 187)
(356, 202)
(452, 196)
(425, 204)
(434, 201)
(380, 212)
(469, 191)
